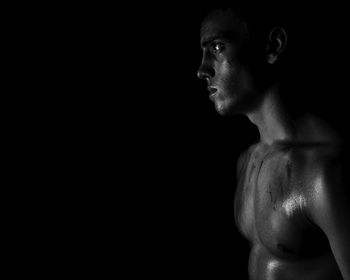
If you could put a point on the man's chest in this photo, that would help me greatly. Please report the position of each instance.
(269, 204)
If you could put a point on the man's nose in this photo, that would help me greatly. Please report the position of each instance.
(205, 71)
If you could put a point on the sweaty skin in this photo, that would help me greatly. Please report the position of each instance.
(290, 201)
(276, 186)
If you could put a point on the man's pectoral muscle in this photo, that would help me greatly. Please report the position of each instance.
(272, 204)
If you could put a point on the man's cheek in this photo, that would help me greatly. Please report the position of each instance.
(228, 74)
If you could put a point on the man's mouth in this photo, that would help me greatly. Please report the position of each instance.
(212, 90)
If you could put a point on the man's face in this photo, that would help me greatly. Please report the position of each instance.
(227, 62)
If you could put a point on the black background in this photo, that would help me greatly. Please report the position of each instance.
(135, 171)
(174, 157)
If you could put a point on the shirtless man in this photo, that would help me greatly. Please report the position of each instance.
(290, 201)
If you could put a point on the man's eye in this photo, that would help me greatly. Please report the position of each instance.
(217, 47)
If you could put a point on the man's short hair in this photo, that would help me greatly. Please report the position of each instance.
(260, 16)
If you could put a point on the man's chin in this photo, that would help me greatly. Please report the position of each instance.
(222, 108)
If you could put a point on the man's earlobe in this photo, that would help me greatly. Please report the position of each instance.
(276, 44)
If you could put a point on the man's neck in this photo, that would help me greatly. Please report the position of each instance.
(271, 118)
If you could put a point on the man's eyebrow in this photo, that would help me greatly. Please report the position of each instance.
(207, 40)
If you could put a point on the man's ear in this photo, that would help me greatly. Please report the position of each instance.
(276, 44)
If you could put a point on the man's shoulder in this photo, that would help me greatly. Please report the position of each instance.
(304, 163)
(309, 154)
(303, 160)
(318, 157)
(319, 172)
(246, 156)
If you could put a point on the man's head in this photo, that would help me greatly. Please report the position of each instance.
(241, 47)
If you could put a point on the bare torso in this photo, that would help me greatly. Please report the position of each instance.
(271, 197)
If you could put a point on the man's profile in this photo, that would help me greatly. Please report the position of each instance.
(290, 201)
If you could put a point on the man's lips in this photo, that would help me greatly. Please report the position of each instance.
(212, 89)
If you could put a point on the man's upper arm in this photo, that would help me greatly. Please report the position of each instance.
(329, 208)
